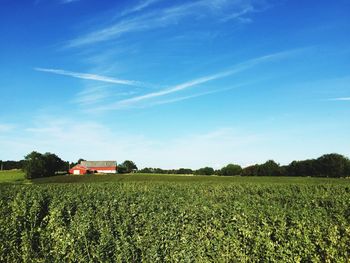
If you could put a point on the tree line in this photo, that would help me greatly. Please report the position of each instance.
(328, 165)
(334, 165)
(10, 165)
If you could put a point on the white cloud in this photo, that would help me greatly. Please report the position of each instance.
(221, 9)
(6, 127)
(68, 1)
(341, 99)
(99, 94)
(93, 77)
(195, 82)
(140, 6)
(91, 95)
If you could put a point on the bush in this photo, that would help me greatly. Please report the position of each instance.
(230, 169)
(42, 165)
(205, 171)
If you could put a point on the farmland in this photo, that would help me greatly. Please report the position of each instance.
(12, 176)
(157, 218)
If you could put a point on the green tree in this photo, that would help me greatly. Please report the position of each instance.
(78, 162)
(231, 169)
(146, 170)
(34, 165)
(333, 165)
(184, 171)
(269, 168)
(121, 169)
(303, 168)
(251, 170)
(53, 164)
(130, 166)
(205, 171)
(41, 165)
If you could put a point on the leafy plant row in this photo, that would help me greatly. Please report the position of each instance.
(171, 222)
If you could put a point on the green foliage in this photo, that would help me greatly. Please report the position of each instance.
(121, 169)
(205, 171)
(12, 176)
(269, 168)
(9, 165)
(333, 165)
(183, 171)
(146, 221)
(41, 165)
(303, 168)
(328, 165)
(35, 165)
(230, 169)
(146, 170)
(250, 170)
(127, 167)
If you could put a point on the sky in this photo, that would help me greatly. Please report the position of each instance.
(175, 84)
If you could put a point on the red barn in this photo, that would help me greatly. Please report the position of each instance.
(94, 167)
(78, 169)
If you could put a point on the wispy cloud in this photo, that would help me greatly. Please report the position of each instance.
(68, 1)
(91, 95)
(6, 127)
(195, 82)
(167, 16)
(97, 94)
(36, 2)
(93, 77)
(140, 6)
(196, 95)
(238, 14)
(341, 99)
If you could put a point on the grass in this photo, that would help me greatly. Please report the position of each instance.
(12, 176)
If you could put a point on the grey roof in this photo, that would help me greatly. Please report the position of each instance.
(89, 164)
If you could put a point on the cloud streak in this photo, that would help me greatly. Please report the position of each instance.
(68, 1)
(196, 95)
(341, 99)
(195, 82)
(166, 16)
(94, 77)
(142, 5)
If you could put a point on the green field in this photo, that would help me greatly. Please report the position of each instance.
(169, 218)
(12, 176)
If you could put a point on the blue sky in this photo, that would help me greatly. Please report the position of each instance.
(175, 83)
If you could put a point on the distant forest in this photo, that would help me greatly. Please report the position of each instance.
(328, 165)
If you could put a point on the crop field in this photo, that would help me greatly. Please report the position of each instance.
(168, 218)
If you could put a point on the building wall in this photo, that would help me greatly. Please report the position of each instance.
(106, 171)
(77, 171)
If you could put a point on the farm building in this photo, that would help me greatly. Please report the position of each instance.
(86, 167)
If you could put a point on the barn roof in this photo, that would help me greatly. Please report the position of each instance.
(90, 164)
